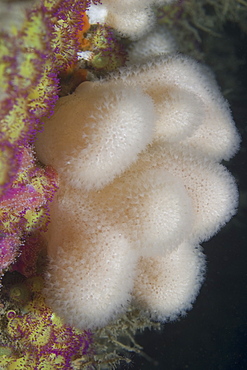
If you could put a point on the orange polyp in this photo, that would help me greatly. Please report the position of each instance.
(82, 73)
(85, 28)
(85, 44)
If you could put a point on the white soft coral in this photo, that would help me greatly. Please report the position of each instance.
(131, 18)
(140, 187)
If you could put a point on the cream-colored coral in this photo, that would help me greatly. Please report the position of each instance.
(141, 187)
(156, 43)
(131, 18)
(119, 144)
(167, 285)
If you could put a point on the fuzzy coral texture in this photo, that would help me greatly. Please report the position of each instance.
(130, 18)
(141, 186)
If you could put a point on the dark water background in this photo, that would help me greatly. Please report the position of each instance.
(213, 335)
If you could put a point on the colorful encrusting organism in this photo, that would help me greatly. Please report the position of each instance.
(40, 340)
(37, 54)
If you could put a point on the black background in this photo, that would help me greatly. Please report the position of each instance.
(213, 335)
